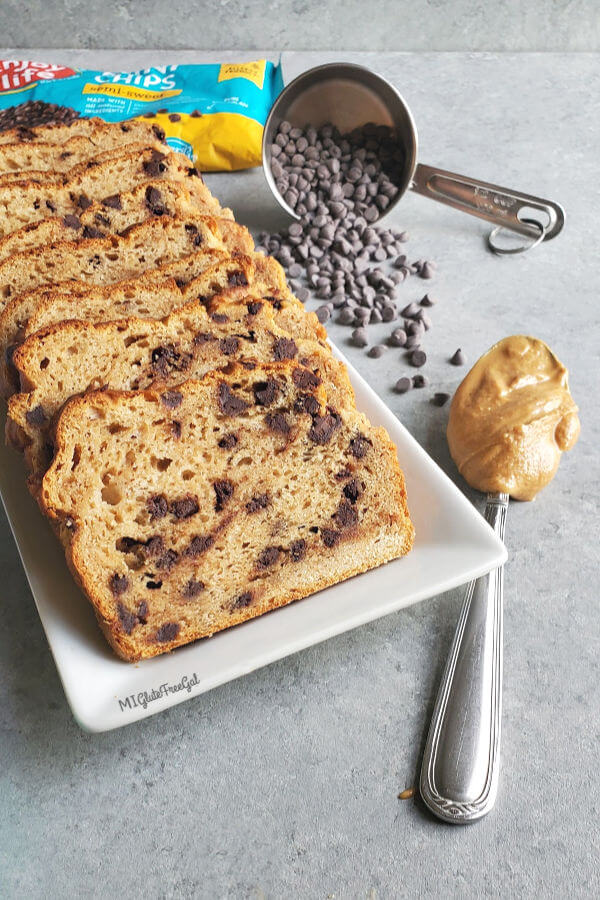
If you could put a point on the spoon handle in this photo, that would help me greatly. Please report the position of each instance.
(459, 775)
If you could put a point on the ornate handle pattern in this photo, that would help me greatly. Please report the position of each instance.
(459, 775)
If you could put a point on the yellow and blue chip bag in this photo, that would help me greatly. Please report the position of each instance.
(213, 113)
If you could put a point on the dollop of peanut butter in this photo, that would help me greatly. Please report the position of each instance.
(512, 417)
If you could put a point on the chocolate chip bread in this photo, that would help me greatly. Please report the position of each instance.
(121, 170)
(103, 135)
(114, 215)
(186, 511)
(132, 354)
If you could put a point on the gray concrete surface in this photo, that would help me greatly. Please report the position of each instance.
(284, 783)
(304, 24)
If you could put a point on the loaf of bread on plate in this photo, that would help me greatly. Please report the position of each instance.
(187, 511)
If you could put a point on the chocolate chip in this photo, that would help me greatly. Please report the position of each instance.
(220, 318)
(377, 351)
(254, 307)
(36, 417)
(228, 441)
(159, 132)
(323, 427)
(306, 403)
(154, 201)
(329, 537)
(278, 422)
(166, 359)
(458, 358)
(297, 550)
(428, 301)
(176, 428)
(359, 446)
(142, 611)
(118, 584)
(203, 337)
(427, 270)
(50, 206)
(127, 619)
(154, 167)
(352, 490)
(171, 399)
(167, 632)
(113, 202)
(152, 547)
(417, 358)
(268, 557)
(199, 545)
(184, 508)
(72, 222)
(193, 588)
(284, 348)
(229, 345)
(223, 492)
(237, 279)
(174, 117)
(419, 381)
(83, 202)
(410, 311)
(403, 385)
(346, 515)
(229, 403)
(265, 392)
(305, 379)
(398, 337)
(261, 501)
(440, 399)
(154, 585)
(359, 337)
(157, 506)
(168, 560)
(90, 231)
(242, 601)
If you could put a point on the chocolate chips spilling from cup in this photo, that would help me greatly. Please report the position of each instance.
(339, 185)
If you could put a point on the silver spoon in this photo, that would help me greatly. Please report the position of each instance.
(459, 775)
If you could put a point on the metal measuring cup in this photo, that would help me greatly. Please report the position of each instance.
(348, 96)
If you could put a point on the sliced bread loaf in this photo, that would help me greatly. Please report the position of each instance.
(186, 511)
(132, 354)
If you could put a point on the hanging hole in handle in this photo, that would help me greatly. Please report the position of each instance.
(502, 241)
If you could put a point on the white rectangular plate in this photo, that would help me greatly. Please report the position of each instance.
(453, 545)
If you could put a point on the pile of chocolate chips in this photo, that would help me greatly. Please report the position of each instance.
(34, 113)
(338, 185)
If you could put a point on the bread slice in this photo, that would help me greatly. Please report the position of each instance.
(252, 279)
(109, 259)
(132, 354)
(42, 156)
(184, 512)
(114, 215)
(103, 135)
(211, 271)
(24, 202)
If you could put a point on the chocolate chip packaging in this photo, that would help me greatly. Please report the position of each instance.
(213, 113)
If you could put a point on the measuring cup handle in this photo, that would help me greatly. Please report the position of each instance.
(488, 201)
